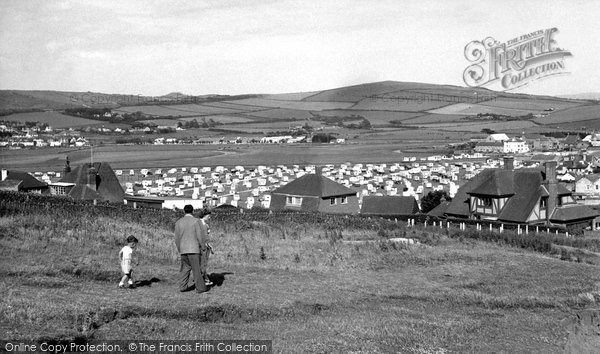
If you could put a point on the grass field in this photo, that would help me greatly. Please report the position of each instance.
(434, 118)
(402, 105)
(281, 113)
(474, 109)
(305, 285)
(374, 149)
(301, 105)
(580, 113)
(477, 127)
(53, 119)
(177, 110)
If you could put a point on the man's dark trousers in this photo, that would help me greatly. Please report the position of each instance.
(191, 262)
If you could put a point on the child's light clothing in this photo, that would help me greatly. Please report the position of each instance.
(127, 255)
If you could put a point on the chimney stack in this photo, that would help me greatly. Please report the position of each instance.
(509, 163)
(552, 186)
(92, 178)
(67, 168)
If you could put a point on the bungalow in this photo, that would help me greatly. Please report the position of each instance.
(315, 192)
(29, 184)
(143, 202)
(588, 185)
(95, 181)
(389, 206)
(524, 196)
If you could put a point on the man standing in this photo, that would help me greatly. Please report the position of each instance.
(191, 241)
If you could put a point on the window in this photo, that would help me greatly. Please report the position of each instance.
(293, 201)
(486, 202)
(544, 203)
(332, 201)
(344, 200)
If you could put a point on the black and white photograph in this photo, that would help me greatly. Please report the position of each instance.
(281, 176)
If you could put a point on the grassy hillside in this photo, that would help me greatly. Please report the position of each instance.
(382, 102)
(309, 282)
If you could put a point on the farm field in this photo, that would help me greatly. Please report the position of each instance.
(402, 105)
(293, 96)
(220, 118)
(375, 117)
(167, 122)
(477, 127)
(564, 117)
(176, 110)
(301, 105)
(160, 156)
(54, 119)
(474, 109)
(451, 293)
(281, 113)
(434, 118)
(357, 93)
(537, 105)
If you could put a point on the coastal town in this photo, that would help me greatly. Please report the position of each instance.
(363, 188)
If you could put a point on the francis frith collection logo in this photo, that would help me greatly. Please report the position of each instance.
(515, 63)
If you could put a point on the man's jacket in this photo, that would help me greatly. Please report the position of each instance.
(191, 235)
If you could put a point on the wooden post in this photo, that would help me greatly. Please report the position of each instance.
(518, 229)
(491, 227)
(526, 229)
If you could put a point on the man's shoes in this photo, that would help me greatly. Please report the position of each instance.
(121, 286)
(189, 288)
(207, 282)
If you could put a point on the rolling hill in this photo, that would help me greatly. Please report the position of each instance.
(382, 103)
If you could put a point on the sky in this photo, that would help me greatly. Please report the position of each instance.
(251, 46)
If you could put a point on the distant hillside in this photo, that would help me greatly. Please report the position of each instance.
(584, 96)
(384, 104)
(19, 100)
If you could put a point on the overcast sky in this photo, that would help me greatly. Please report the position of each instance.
(251, 46)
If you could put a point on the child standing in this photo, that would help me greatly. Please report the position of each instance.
(126, 256)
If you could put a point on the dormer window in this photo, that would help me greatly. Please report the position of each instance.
(486, 202)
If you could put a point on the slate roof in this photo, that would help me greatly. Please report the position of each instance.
(315, 186)
(498, 184)
(572, 139)
(389, 205)
(108, 187)
(83, 192)
(524, 188)
(29, 182)
(10, 184)
(591, 177)
(572, 212)
(439, 210)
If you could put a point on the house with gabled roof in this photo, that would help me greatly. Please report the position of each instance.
(524, 196)
(28, 183)
(588, 185)
(93, 181)
(315, 192)
(389, 205)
